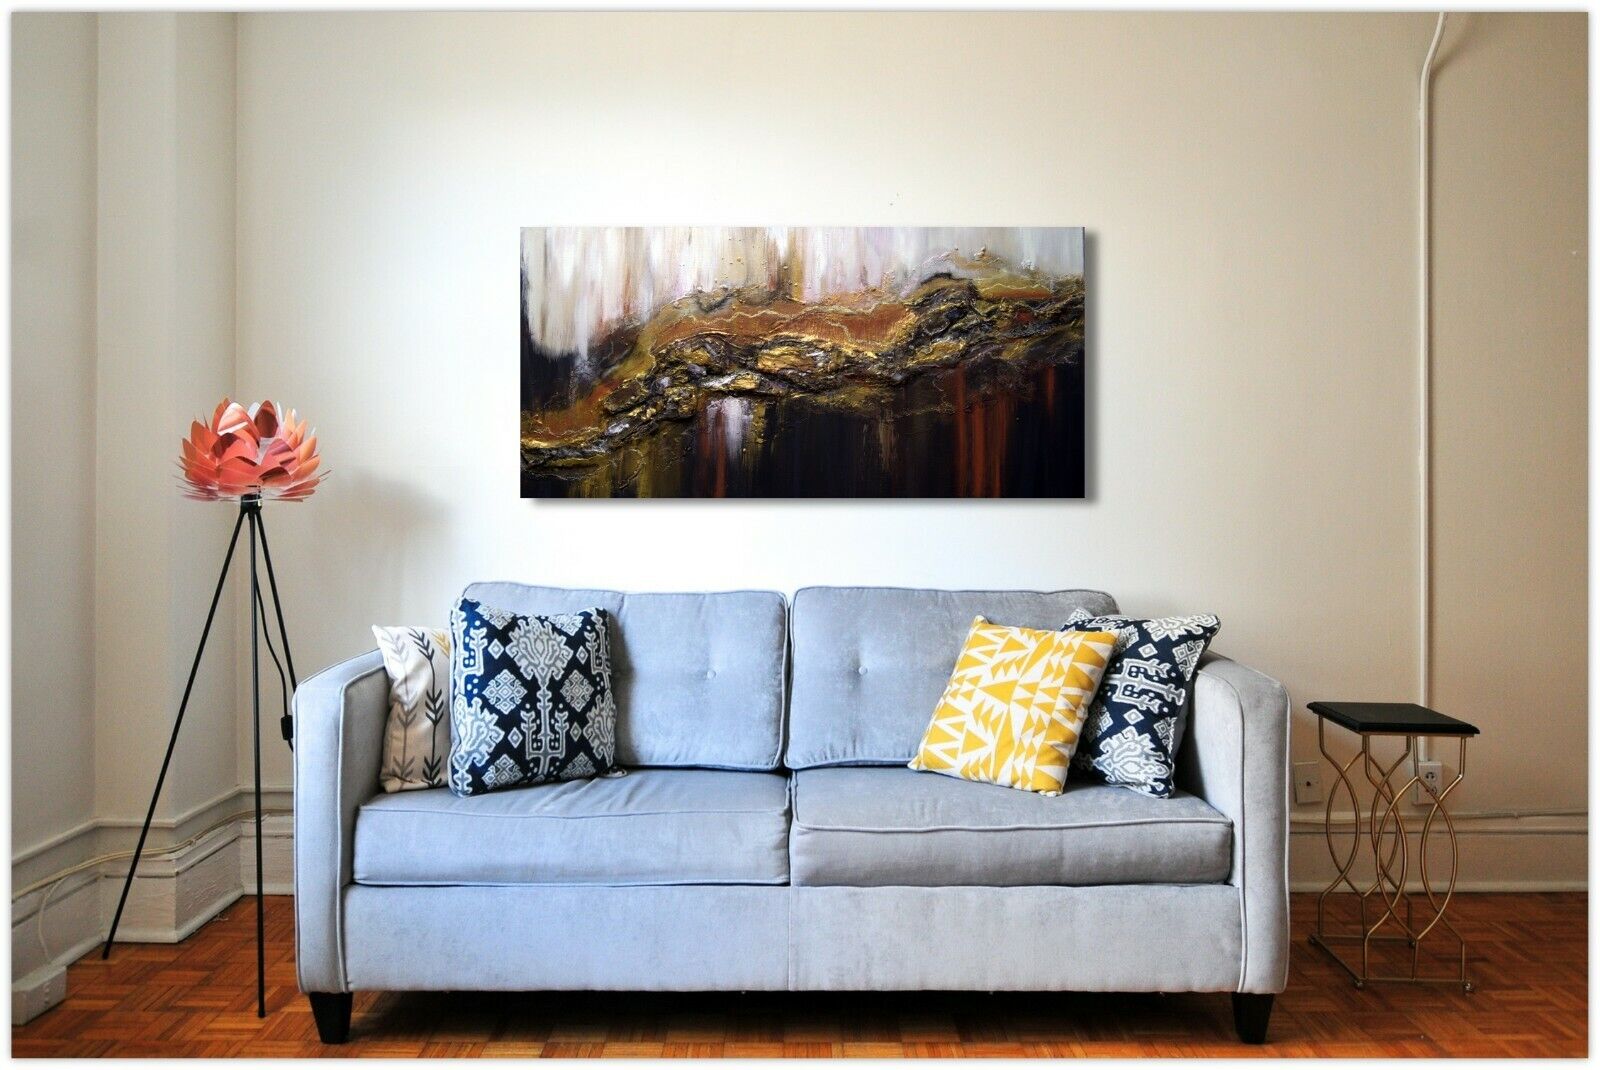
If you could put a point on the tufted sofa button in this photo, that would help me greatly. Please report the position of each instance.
(861, 670)
(711, 674)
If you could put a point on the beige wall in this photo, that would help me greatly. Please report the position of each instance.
(1248, 183)
(1511, 403)
(52, 424)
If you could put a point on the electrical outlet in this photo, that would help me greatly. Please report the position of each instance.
(1432, 776)
(1307, 783)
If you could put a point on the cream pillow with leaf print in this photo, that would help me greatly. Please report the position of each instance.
(416, 742)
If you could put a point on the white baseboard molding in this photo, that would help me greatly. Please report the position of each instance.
(1498, 854)
(172, 895)
(277, 855)
(1463, 886)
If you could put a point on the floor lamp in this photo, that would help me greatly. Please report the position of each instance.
(249, 456)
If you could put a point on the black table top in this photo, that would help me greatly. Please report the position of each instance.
(1399, 718)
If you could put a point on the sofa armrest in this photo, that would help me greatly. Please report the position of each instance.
(339, 723)
(1237, 759)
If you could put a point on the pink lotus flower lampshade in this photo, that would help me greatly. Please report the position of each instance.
(250, 452)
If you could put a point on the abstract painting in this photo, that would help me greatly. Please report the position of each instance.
(802, 362)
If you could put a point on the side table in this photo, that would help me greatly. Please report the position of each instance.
(1391, 860)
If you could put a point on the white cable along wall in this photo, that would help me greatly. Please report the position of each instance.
(53, 882)
(1425, 380)
(1425, 366)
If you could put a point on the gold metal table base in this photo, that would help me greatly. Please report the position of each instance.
(1391, 865)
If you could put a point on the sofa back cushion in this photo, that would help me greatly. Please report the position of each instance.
(871, 662)
(699, 678)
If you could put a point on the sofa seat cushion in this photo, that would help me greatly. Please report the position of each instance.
(867, 826)
(653, 826)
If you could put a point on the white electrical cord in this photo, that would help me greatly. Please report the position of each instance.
(54, 881)
(1425, 381)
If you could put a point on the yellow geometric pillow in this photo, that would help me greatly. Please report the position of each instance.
(1015, 705)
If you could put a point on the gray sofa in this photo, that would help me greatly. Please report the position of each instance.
(769, 836)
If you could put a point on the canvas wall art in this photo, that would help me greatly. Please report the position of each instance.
(915, 362)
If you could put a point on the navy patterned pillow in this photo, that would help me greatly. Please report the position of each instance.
(530, 698)
(1137, 718)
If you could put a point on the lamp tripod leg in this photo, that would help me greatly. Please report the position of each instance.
(255, 717)
(166, 762)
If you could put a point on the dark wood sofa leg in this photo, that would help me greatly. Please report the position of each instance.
(1251, 1012)
(332, 1012)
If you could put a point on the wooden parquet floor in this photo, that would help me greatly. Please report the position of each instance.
(197, 998)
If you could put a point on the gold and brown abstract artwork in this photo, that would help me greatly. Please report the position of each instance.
(802, 362)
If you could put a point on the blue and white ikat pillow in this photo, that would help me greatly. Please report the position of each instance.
(530, 698)
(1136, 721)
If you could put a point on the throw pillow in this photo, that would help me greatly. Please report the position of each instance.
(416, 740)
(530, 698)
(1014, 706)
(1136, 722)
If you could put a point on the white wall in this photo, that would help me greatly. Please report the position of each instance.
(1248, 182)
(122, 331)
(52, 424)
(387, 162)
(166, 303)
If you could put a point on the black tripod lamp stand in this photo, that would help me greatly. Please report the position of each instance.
(246, 454)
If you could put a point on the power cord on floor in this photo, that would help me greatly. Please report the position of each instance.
(55, 880)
